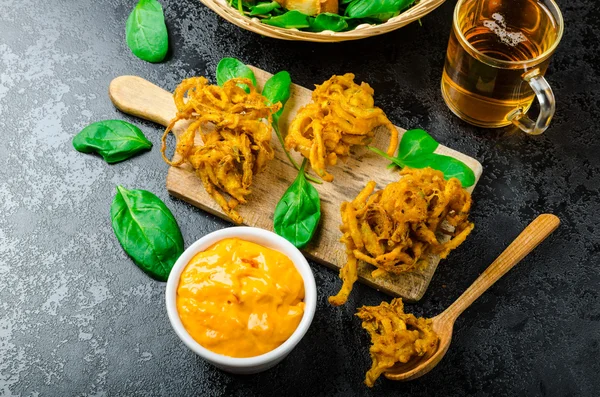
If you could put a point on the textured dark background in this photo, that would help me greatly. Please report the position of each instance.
(78, 318)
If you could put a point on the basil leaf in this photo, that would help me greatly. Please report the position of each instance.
(371, 8)
(453, 168)
(277, 89)
(328, 21)
(147, 231)
(289, 20)
(114, 140)
(230, 68)
(146, 32)
(264, 8)
(415, 143)
(298, 212)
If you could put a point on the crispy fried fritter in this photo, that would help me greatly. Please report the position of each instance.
(342, 114)
(397, 228)
(236, 139)
(396, 337)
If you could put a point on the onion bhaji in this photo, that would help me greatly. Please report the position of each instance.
(396, 337)
(342, 114)
(397, 228)
(236, 138)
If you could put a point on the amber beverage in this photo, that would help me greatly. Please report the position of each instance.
(497, 56)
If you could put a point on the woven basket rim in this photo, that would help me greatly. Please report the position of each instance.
(231, 14)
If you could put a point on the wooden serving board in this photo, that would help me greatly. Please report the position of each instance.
(138, 97)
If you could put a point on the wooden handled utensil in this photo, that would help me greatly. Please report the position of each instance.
(534, 234)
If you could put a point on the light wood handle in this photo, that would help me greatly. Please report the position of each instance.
(138, 97)
(531, 237)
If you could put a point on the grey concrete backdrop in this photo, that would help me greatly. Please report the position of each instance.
(77, 317)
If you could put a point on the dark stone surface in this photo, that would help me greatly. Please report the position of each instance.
(78, 318)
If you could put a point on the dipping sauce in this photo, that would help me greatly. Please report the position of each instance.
(240, 299)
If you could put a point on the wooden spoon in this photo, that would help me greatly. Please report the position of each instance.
(534, 234)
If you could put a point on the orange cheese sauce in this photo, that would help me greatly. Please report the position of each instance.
(240, 299)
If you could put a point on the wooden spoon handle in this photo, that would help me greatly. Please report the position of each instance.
(138, 97)
(531, 237)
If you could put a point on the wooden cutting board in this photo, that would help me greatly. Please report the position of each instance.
(138, 97)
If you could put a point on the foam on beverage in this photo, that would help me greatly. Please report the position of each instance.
(498, 26)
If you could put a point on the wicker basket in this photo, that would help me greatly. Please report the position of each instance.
(231, 14)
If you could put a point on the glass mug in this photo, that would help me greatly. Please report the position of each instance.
(497, 56)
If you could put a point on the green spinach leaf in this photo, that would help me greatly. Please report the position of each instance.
(453, 168)
(146, 32)
(384, 16)
(277, 89)
(417, 151)
(372, 8)
(230, 68)
(264, 8)
(328, 21)
(289, 20)
(147, 231)
(416, 142)
(298, 212)
(114, 140)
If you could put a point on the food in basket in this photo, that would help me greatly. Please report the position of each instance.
(396, 337)
(321, 15)
(236, 138)
(240, 299)
(342, 114)
(310, 7)
(396, 229)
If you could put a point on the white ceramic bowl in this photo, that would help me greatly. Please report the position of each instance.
(249, 365)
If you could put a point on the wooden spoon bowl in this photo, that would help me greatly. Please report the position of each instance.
(443, 323)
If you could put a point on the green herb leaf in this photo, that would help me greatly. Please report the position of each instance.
(298, 212)
(147, 231)
(383, 154)
(417, 151)
(264, 8)
(277, 89)
(384, 16)
(328, 21)
(146, 32)
(230, 68)
(416, 142)
(114, 140)
(453, 168)
(289, 20)
(372, 8)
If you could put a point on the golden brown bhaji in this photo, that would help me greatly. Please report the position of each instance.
(396, 337)
(397, 228)
(236, 138)
(342, 114)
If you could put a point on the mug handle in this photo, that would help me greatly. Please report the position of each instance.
(545, 96)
